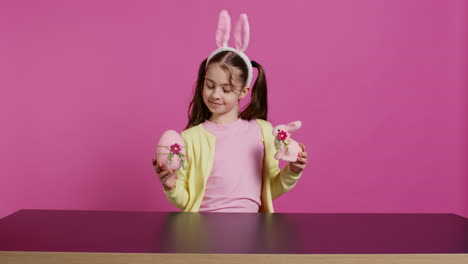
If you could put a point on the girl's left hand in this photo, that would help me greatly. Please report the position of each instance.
(300, 164)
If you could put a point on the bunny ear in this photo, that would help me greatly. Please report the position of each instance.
(242, 33)
(293, 126)
(224, 29)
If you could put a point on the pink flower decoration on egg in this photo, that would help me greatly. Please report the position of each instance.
(175, 148)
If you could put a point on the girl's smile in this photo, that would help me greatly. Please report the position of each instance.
(213, 104)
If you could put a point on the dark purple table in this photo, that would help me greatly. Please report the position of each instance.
(196, 234)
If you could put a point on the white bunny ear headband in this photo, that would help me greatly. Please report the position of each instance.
(241, 39)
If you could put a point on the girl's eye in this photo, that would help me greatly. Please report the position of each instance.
(226, 89)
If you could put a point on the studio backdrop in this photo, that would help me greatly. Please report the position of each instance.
(87, 88)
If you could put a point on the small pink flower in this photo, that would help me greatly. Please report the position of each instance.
(282, 135)
(176, 148)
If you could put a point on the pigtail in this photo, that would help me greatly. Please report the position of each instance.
(258, 107)
(197, 111)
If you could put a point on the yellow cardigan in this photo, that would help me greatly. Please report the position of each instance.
(200, 147)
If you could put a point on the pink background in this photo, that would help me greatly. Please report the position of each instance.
(87, 88)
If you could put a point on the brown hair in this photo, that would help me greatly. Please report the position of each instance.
(258, 107)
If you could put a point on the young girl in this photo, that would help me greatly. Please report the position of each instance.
(230, 154)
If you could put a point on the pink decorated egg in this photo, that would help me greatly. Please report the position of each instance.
(170, 150)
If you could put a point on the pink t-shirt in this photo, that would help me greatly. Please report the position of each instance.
(235, 182)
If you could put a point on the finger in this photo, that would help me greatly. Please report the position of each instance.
(300, 166)
(158, 168)
(301, 161)
(163, 174)
(153, 161)
(168, 172)
(165, 178)
(302, 146)
(301, 156)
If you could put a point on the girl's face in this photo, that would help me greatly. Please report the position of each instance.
(219, 95)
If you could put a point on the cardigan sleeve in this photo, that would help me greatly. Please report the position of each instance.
(283, 181)
(179, 196)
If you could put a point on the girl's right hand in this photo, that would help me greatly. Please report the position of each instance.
(167, 177)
